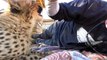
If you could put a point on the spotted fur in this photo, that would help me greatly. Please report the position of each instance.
(15, 30)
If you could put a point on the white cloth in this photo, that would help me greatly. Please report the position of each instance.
(81, 35)
(52, 8)
(106, 23)
(77, 56)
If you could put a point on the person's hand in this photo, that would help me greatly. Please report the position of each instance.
(35, 36)
(52, 0)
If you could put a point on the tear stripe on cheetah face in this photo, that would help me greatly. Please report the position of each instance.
(15, 29)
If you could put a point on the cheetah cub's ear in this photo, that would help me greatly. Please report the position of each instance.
(41, 3)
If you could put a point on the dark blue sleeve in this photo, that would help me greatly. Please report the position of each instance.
(71, 10)
(82, 11)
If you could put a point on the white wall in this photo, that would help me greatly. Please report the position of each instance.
(3, 5)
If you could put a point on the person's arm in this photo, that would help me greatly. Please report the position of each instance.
(67, 10)
(81, 11)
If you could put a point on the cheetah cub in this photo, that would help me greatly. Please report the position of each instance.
(15, 30)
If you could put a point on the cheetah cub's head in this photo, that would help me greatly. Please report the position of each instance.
(25, 8)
